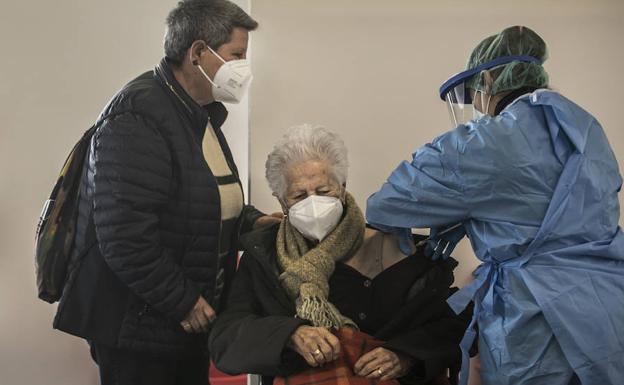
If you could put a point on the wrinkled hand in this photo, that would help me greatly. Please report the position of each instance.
(442, 245)
(199, 318)
(268, 220)
(315, 344)
(383, 364)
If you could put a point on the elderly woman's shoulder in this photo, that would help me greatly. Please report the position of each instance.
(260, 242)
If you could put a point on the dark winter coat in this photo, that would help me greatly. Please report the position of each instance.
(149, 222)
(251, 334)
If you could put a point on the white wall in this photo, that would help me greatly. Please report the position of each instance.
(62, 61)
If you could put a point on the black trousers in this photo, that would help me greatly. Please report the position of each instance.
(125, 367)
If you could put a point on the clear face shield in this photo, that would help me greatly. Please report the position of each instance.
(458, 97)
(459, 103)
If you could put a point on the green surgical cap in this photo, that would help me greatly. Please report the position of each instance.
(511, 76)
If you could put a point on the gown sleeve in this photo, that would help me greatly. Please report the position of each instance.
(439, 185)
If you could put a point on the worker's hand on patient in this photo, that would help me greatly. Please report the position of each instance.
(442, 242)
(315, 344)
(382, 364)
(268, 220)
(199, 318)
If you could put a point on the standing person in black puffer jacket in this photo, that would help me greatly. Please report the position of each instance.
(161, 207)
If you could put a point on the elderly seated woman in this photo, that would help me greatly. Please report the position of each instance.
(322, 269)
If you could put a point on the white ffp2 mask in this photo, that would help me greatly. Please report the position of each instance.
(316, 216)
(231, 81)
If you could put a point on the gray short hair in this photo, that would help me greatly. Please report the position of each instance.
(302, 143)
(209, 20)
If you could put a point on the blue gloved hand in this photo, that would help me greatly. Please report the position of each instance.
(442, 242)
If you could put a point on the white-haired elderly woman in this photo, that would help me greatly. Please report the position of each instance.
(323, 269)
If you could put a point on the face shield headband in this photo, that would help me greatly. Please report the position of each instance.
(457, 96)
(459, 79)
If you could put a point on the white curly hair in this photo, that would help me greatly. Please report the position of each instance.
(301, 143)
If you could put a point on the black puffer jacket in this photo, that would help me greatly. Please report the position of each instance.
(149, 222)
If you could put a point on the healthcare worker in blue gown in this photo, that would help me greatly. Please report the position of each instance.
(534, 183)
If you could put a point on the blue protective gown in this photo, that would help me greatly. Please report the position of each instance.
(536, 189)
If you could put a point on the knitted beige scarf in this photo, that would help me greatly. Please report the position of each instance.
(305, 272)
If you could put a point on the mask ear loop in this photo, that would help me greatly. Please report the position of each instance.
(227, 63)
(216, 54)
(485, 106)
(476, 92)
(196, 64)
(483, 103)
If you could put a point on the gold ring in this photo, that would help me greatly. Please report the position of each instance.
(379, 371)
(317, 352)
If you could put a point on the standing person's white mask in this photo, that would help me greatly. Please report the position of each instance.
(316, 216)
(231, 81)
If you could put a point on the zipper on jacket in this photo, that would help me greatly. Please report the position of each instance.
(232, 169)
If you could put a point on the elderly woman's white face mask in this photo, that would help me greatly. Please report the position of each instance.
(316, 216)
(313, 200)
